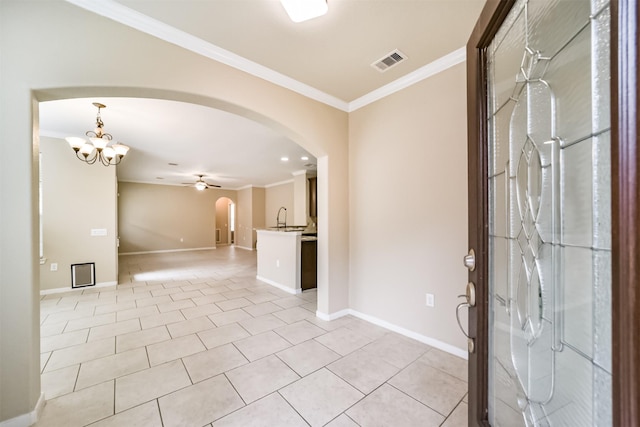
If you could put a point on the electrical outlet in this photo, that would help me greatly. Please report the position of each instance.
(431, 300)
(278, 263)
(181, 240)
(54, 266)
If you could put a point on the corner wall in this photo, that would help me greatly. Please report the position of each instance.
(76, 198)
(408, 206)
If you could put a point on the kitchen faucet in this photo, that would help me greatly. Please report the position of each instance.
(278, 223)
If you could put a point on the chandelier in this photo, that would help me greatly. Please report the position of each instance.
(97, 147)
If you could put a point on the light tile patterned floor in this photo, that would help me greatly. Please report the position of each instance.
(193, 339)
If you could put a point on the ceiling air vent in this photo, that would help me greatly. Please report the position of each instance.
(391, 59)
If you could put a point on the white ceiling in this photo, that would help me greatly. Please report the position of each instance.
(327, 58)
(229, 150)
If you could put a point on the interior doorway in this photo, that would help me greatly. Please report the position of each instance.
(225, 221)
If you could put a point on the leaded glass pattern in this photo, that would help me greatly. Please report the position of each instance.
(550, 221)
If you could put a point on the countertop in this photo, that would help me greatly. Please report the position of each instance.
(306, 235)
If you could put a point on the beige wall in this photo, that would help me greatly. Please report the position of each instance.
(76, 199)
(222, 219)
(300, 198)
(278, 259)
(147, 223)
(275, 197)
(245, 218)
(408, 205)
(257, 213)
(250, 214)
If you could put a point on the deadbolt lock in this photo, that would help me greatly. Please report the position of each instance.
(469, 260)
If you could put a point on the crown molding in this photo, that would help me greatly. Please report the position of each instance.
(245, 187)
(117, 12)
(454, 58)
(276, 184)
(134, 19)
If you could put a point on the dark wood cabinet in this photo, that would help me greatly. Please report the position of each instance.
(309, 273)
(313, 201)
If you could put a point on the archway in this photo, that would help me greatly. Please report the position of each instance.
(317, 151)
(325, 232)
(225, 221)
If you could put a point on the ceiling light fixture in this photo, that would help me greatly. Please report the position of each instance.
(304, 158)
(284, 159)
(96, 148)
(303, 10)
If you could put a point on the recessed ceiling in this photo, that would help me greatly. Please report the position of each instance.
(331, 55)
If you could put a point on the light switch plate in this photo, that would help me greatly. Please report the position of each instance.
(431, 300)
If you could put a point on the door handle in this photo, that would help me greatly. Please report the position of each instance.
(458, 308)
(470, 297)
(469, 260)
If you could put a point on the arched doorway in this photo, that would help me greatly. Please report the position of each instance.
(225, 221)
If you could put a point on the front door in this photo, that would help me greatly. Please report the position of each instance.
(545, 268)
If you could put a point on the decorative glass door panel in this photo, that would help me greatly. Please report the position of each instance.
(549, 215)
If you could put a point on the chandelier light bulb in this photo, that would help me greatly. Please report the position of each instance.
(86, 149)
(75, 142)
(99, 143)
(120, 149)
(109, 153)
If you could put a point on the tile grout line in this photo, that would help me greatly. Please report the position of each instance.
(292, 407)
(454, 409)
(413, 398)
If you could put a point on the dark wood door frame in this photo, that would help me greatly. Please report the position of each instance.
(625, 195)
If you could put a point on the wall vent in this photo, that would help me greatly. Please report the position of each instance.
(83, 275)
(389, 60)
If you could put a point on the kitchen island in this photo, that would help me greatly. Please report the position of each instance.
(286, 259)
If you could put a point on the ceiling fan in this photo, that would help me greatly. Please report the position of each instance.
(200, 184)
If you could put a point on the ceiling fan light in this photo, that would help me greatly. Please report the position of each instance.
(120, 149)
(75, 142)
(200, 185)
(303, 10)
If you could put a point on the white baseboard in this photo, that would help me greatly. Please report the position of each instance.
(333, 316)
(60, 290)
(244, 247)
(164, 251)
(398, 329)
(279, 286)
(26, 420)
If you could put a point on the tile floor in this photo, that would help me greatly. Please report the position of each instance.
(193, 339)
